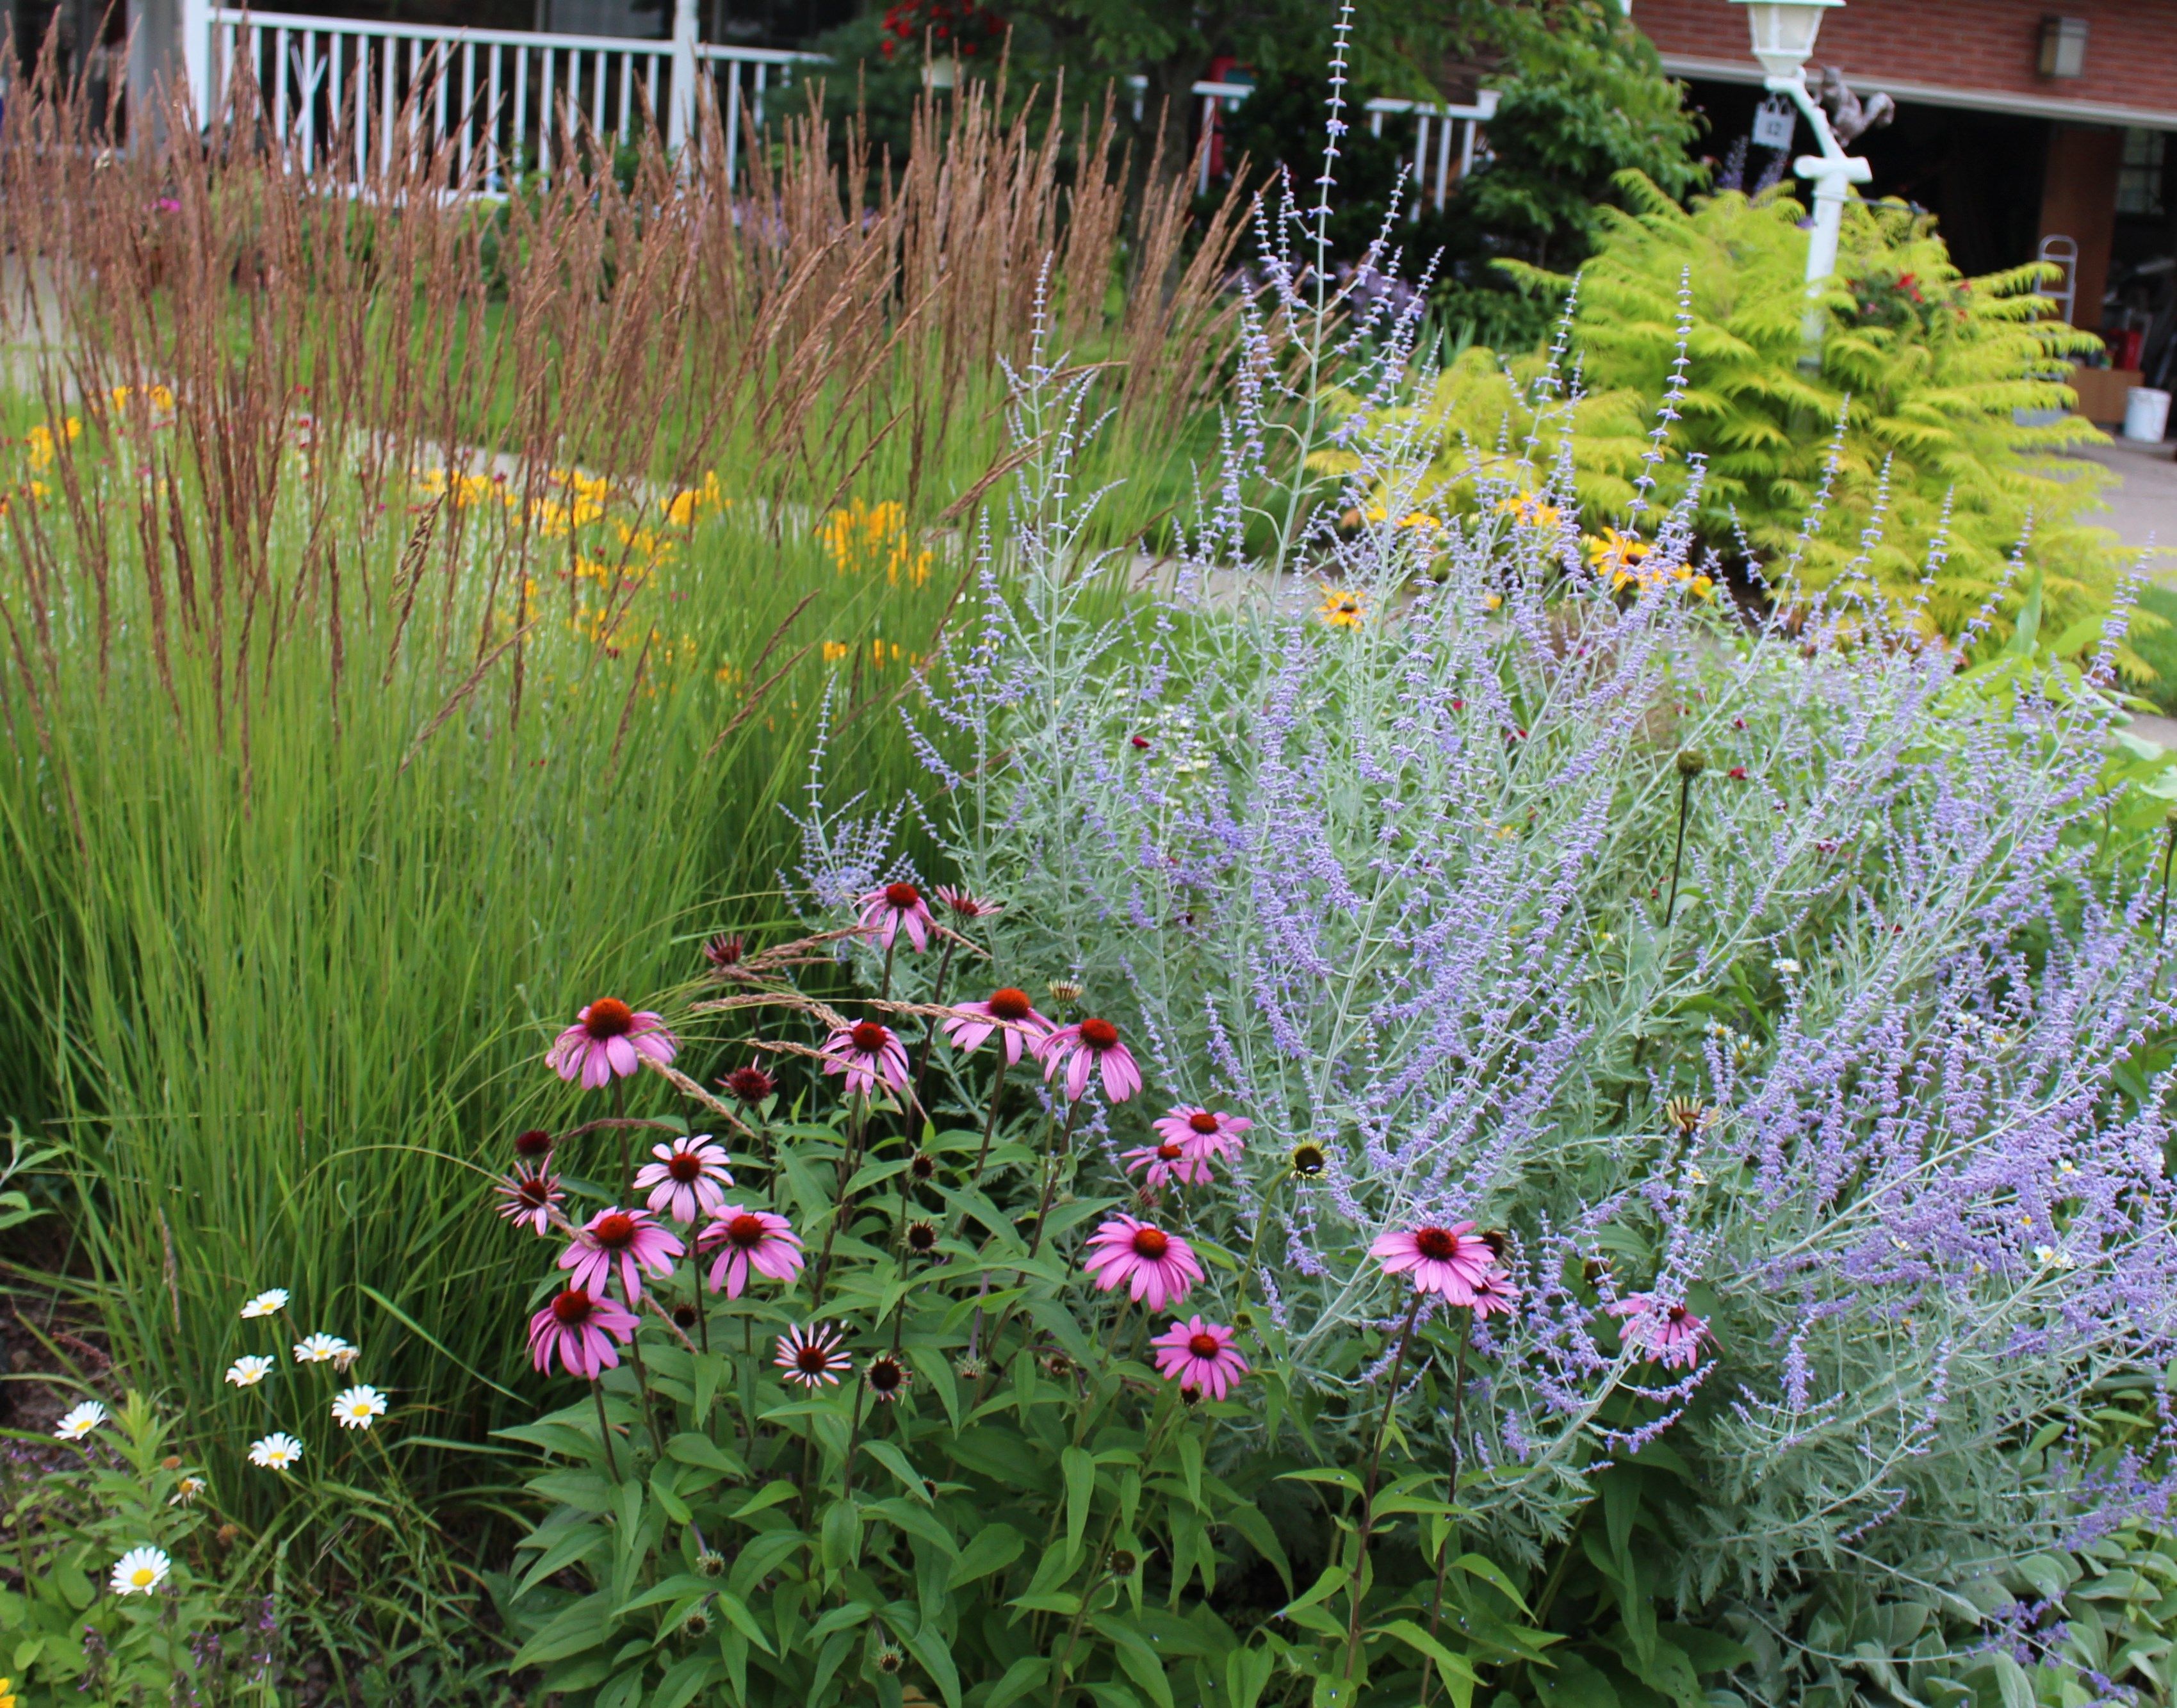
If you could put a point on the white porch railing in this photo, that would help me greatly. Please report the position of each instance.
(498, 99)
(501, 101)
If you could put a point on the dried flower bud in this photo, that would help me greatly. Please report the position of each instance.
(711, 1564)
(889, 1659)
(171, 1462)
(725, 951)
(1124, 1563)
(228, 1535)
(1064, 990)
(532, 1144)
(750, 1085)
(1687, 1116)
(922, 1166)
(696, 1624)
(683, 1315)
(1692, 762)
(921, 1238)
(970, 1369)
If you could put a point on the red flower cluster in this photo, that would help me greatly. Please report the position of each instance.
(952, 26)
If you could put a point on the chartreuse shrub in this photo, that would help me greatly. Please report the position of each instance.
(1907, 418)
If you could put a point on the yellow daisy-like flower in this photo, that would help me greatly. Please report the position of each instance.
(1527, 509)
(8, 1699)
(1342, 608)
(834, 651)
(1618, 555)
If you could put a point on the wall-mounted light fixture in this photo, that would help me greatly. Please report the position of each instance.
(2063, 47)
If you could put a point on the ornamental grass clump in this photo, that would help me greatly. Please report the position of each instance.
(1776, 996)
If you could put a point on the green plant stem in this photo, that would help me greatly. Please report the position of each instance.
(1685, 806)
(626, 1139)
(1443, 1553)
(847, 1161)
(853, 1440)
(990, 1123)
(604, 1428)
(929, 1023)
(696, 1289)
(2162, 919)
(1368, 1488)
(1051, 1159)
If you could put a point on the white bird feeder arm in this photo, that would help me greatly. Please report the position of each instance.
(1831, 171)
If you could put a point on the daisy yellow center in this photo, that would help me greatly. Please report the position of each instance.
(1100, 1035)
(1203, 1345)
(1151, 1243)
(1202, 1122)
(902, 896)
(1438, 1244)
(614, 1232)
(685, 1166)
(868, 1037)
(746, 1230)
(1010, 1004)
(143, 1577)
(572, 1309)
(608, 1017)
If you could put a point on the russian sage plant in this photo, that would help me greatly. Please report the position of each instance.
(1837, 1186)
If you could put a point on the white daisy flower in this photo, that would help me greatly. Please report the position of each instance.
(141, 1571)
(1785, 963)
(358, 1407)
(79, 1420)
(187, 1490)
(249, 1370)
(278, 1451)
(322, 1349)
(346, 1355)
(267, 1304)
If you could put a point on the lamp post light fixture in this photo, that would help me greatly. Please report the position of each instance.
(1784, 32)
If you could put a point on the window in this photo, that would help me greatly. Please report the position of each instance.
(2139, 180)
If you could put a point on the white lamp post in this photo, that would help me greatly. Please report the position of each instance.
(1784, 32)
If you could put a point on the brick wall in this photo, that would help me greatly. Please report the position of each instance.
(2131, 45)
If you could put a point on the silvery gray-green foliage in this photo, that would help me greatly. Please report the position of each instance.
(1397, 890)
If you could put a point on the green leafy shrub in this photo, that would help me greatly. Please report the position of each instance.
(1903, 443)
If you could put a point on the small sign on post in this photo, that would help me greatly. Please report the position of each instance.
(1774, 123)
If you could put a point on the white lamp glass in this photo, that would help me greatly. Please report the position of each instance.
(1784, 32)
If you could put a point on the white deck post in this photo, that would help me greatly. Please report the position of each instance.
(196, 58)
(681, 123)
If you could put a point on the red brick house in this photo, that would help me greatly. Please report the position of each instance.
(2017, 121)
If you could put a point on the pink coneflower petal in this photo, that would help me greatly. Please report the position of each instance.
(1166, 1163)
(687, 1180)
(1445, 1259)
(1087, 1046)
(886, 910)
(869, 1054)
(1008, 1013)
(1155, 1267)
(529, 1197)
(626, 1240)
(1670, 1335)
(750, 1239)
(1205, 1132)
(813, 1356)
(579, 1327)
(1199, 1353)
(1494, 1295)
(609, 1038)
(963, 906)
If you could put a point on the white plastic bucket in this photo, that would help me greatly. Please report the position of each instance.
(2146, 414)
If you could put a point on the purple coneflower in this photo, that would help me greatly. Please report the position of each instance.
(963, 906)
(529, 1197)
(867, 1052)
(812, 1356)
(887, 1376)
(629, 1238)
(580, 1328)
(533, 1146)
(609, 1038)
(1087, 1044)
(1154, 1265)
(1168, 1162)
(1199, 1354)
(1671, 1334)
(1009, 1013)
(1446, 1260)
(885, 911)
(726, 950)
(1209, 1132)
(751, 1239)
(750, 1085)
(688, 1179)
(1494, 1295)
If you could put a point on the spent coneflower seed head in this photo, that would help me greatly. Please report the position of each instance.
(1692, 762)
(1065, 990)
(887, 1376)
(728, 950)
(921, 1237)
(750, 1085)
(532, 1144)
(922, 1166)
(890, 1660)
(1686, 1115)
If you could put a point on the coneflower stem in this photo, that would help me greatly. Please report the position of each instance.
(604, 1427)
(990, 1126)
(1443, 1553)
(1368, 1488)
(846, 1161)
(626, 1149)
(2162, 921)
(930, 1022)
(696, 1289)
(892, 948)
(1051, 1161)
(1685, 805)
(853, 1440)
